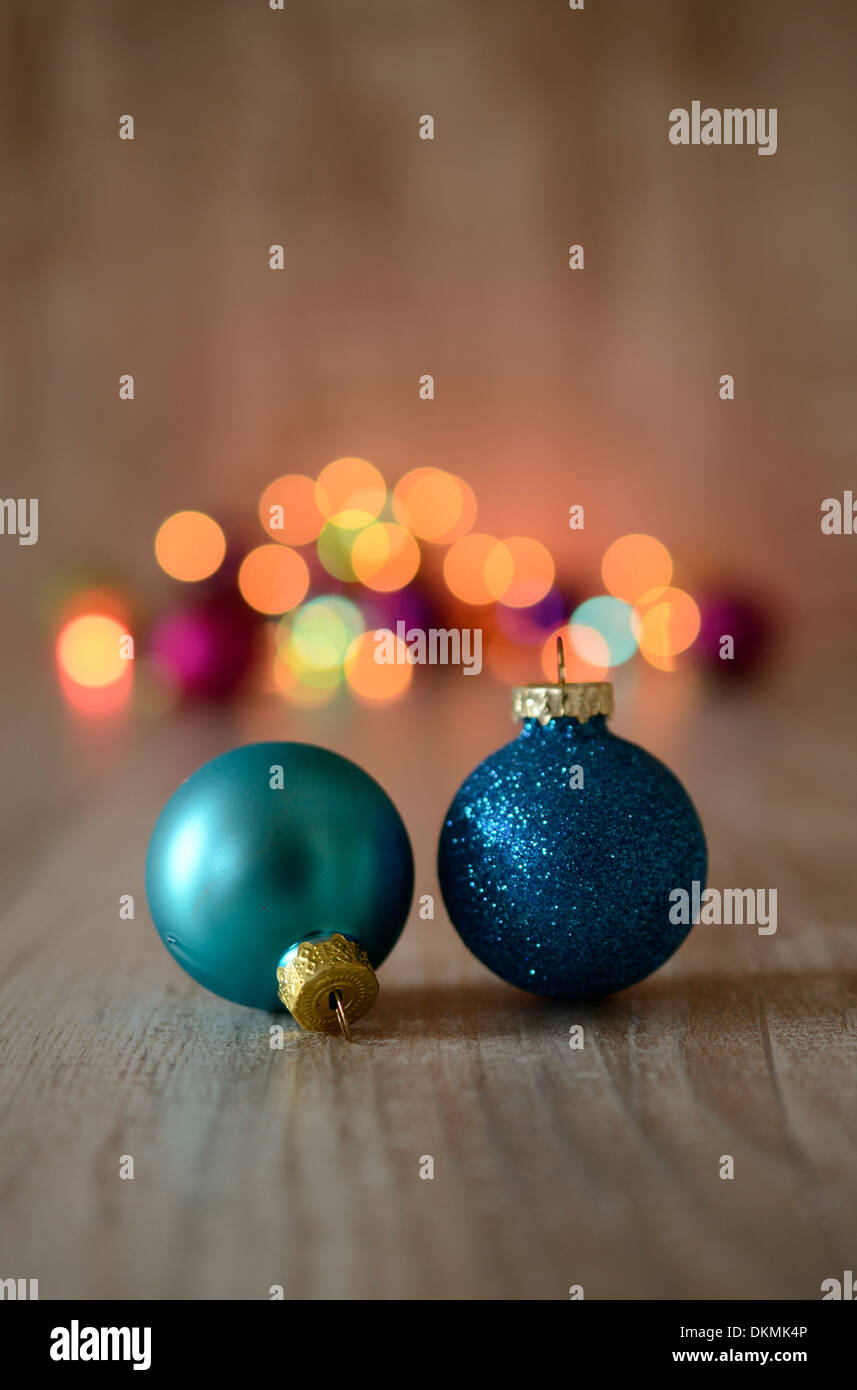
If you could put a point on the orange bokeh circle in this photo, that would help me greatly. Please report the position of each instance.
(273, 578)
(478, 569)
(385, 557)
(665, 621)
(350, 493)
(634, 565)
(533, 572)
(288, 510)
(190, 546)
(377, 682)
(434, 505)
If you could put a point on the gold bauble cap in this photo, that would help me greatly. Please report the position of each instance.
(562, 699)
(327, 984)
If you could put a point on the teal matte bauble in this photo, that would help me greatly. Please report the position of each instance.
(268, 846)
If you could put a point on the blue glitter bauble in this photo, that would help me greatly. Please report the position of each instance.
(240, 870)
(564, 891)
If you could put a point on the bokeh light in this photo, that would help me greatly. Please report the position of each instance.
(273, 578)
(533, 574)
(666, 621)
(350, 493)
(89, 650)
(478, 569)
(334, 547)
(305, 688)
(385, 557)
(288, 510)
(190, 546)
(611, 619)
(434, 505)
(318, 635)
(372, 681)
(586, 652)
(634, 565)
(95, 676)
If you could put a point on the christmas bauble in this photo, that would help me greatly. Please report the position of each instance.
(207, 648)
(264, 857)
(559, 853)
(736, 635)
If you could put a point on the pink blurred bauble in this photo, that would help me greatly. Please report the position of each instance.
(748, 620)
(206, 649)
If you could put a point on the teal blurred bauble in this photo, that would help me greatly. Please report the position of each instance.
(246, 862)
(559, 854)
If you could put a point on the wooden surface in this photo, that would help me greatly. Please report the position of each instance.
(301, 1167)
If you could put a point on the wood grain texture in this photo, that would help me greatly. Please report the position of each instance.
(300, 1167)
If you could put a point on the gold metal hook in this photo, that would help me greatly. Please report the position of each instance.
(336, 1003)
(560, 661)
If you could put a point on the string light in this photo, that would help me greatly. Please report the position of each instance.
(334, 547)
(350, 493)
(665, 621)
(634, 565)
(385, 557)
(321, 645)
(289, 511)
(533, 572)
(190, 546)
(434, 505)
(478, 569)
(273, 578)
(372, 681)
(610, 618)
(89, 650)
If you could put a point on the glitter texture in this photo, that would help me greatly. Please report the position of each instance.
(565, 892)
